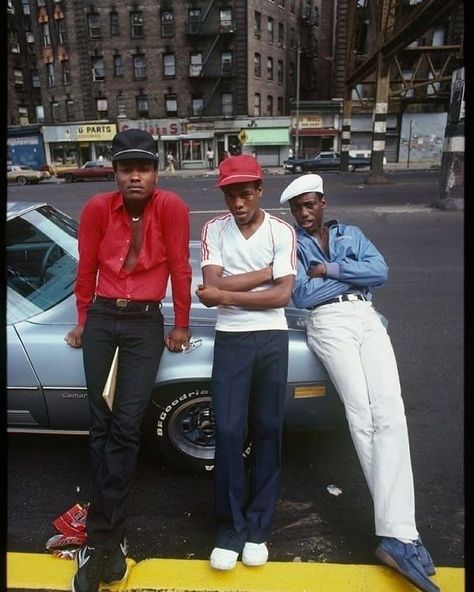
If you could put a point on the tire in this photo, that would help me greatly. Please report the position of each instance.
(298, 168)
(22, 180)
(110, 177)
(179, 425)
(68, 178)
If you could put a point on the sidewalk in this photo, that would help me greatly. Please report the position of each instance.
(45, 572)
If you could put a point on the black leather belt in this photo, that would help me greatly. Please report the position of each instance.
(129, 305)
(342, 298)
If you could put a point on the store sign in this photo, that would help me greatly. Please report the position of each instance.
(156, 127)
(23, 141)
(88, 133)
(309, 121)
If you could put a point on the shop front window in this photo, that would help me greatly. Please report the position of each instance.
(192, 150)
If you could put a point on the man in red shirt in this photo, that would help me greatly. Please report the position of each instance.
(131, 241)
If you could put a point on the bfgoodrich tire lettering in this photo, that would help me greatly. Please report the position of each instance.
(179, 425)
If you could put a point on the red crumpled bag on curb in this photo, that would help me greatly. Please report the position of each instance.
(72, 526)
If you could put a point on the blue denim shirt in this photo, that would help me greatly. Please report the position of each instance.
(354, 265)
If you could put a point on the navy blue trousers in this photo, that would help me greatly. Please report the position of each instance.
(115, 435)
(249, 379)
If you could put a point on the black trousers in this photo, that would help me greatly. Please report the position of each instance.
(249, 379)
(115, 435)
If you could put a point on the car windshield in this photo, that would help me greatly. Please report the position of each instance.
(41, 261)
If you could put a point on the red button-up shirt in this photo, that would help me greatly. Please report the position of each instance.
(105, 237)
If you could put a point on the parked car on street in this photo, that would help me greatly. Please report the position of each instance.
(322, 162)
(45, 377)
(93, 169)
(23, 175)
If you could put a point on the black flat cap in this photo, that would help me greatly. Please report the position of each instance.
(133, 144)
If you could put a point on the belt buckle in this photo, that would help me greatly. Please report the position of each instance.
(352, 297)
(121, 303)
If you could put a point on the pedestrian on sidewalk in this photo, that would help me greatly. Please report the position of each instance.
(338, 267)
(248, 263)
(210, 158)
(171, 162)
(130, 242)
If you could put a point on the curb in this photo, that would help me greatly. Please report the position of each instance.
(30, 571)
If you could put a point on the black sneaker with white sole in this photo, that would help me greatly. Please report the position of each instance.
(90, 567)
(115, 567)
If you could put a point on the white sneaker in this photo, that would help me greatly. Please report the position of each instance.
(254, 554)
(223, 559)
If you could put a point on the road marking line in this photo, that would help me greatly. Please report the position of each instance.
(42, 571)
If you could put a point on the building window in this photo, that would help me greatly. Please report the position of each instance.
(270, 29)
(98, 69)
(121, 105)
(101, 108)
(50, 75)
(169, 65)
(66, 72)
(192, 150)
(195, 63)
(197, 105)
(136, 24)
(45, 35)
(292, 38)
(171, 105)
(61, 31)
(280, 106)
(114, 24)
(25, 6)
(227, 104)
(280, 72)
(18, 78)
(291, 71)
(167, 23)
(35, 79)
(194, 20)
(143, 109)
(23, 116)
(281, 3)
(269, 68)
(258, 25)
(39, 112)
(93, 23)
(225, 18)
(257, 65)
(257, 105)
(281, 34)
(269, 105)
(70, 110)
(139, 67)
(118, 66)
(54, 111)
(293, 6)
(227, 59)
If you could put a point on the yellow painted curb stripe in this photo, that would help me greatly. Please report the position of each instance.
(30, 571)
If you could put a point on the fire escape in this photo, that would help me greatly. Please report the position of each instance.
(391, 55)
(210, 33)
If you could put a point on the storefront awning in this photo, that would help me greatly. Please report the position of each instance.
(268, 137)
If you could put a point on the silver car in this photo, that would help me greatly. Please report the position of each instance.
(45, 377)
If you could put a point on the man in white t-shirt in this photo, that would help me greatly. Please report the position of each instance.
(248, 261)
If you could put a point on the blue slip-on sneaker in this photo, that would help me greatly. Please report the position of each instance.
(405, 559)
(425, 558)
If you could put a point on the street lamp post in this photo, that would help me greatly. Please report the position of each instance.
(412, 123)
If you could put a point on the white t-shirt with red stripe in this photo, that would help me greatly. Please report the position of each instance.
(273, 243)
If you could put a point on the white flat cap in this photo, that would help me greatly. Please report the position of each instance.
(304, 184)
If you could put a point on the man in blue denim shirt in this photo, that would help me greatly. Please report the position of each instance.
(336, 269)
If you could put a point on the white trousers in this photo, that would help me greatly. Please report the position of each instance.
(352, 343)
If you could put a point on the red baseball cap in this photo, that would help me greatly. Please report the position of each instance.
(239, 169)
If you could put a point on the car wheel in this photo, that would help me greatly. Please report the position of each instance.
(68, 178)
(179, 425)
(22, 180)
(351, 168)
(110, 177)
(298, 168)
